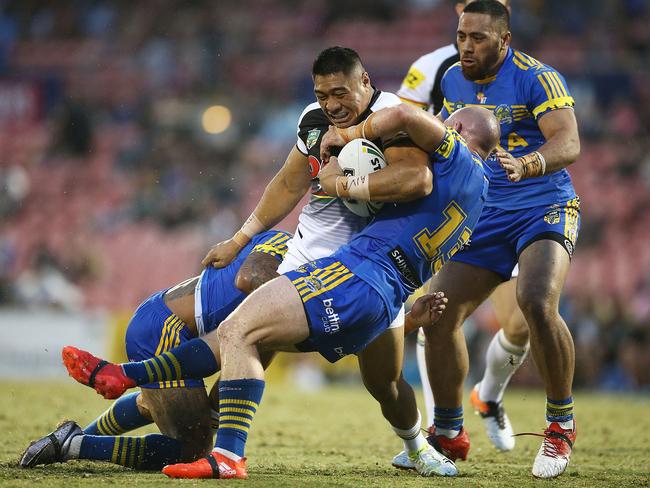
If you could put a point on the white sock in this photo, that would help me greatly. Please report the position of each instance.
(72, 447)
(424, 378)
(413, 438)
(502, 360)
(568, 425)
(448, 433)
(227, 453)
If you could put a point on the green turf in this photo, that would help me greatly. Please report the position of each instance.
(338, 437)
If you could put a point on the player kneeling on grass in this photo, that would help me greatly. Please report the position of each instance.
(317, 307)
(180, 408)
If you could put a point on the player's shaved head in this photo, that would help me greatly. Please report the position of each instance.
(478, 126)
(337, 59)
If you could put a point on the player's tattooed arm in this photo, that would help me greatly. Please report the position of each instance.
(257, 269)
(562, 148)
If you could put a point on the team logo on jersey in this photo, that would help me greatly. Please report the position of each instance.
(312, 137)
(457, 106)
(552, 217)
(480, 96)
(313, 283)
(503, 113)
(314, 166)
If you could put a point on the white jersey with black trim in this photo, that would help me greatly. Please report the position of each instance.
(325, 223)
(421, 85)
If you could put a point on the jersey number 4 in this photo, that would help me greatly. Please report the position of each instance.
(434, 244)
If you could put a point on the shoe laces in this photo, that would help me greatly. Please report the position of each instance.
(552, 446)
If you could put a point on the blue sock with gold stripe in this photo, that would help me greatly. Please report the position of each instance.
(149, 452)
(192, 359)
(560, 411)
(238, 402)
(122, 416)
(448, 421)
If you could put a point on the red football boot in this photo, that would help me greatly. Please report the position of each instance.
(106, 378)
(215, 465)
(456, 448)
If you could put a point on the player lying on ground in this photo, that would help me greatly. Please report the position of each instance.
(317, 307)
(345, 95)
(180, 408)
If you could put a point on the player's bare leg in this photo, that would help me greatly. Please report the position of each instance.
(272, 318)
(381, 370)
(506, 352)
(182, 414)
(466, 287)
(543, 269)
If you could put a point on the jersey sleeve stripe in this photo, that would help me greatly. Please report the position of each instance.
(519, 64)
(560, 85)
(553, 84)
(545, 85)
(562, 102)
(413, 102)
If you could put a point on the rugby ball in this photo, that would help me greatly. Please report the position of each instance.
(361, 157)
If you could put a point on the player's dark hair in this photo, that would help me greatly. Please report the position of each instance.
(336, 59)
(494, 9)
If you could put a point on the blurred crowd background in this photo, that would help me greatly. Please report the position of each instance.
(136, 134)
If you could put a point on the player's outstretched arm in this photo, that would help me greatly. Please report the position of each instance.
(280, 197)
(561, 149)
(425, 311)
(424, 129)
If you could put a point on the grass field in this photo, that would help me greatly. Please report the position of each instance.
(337, 437)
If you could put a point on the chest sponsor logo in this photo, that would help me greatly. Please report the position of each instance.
(398, 258)
(312, 138)
(503, 113)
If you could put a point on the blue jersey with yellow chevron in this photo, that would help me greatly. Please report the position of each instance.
(216, 287)
(154, 329)
(354, 295)
(522, 91)
(406, 242)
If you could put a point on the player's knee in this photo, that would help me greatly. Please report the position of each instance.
(537, 305)
(230, 332)
(446, 325)
(517, 332)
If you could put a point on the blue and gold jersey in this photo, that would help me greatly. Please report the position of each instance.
(217, 294)
(398, 250)
(521, 92)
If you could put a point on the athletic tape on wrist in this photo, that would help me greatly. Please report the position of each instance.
(353, 187)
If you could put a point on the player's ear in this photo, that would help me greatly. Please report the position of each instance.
(505, 40)
(458, 126)
(365, 78)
